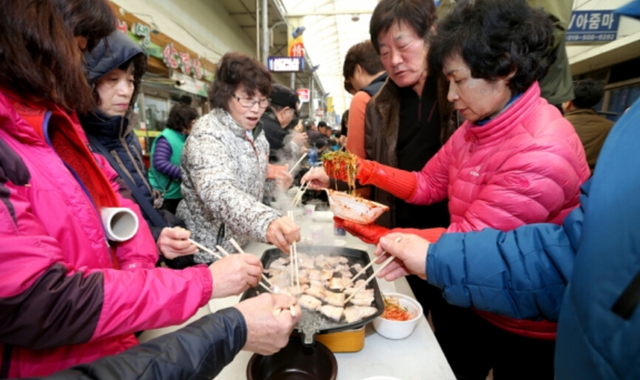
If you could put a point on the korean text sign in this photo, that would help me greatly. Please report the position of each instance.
(592, 26)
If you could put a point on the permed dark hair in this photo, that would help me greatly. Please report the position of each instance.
(235, 69)
(181, 116)
(39, 58)
(365, 55)
(588, 93)
(495, 38)
(418, 14)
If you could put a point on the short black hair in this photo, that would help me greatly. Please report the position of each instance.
(320, 143)
(322, 124)
(495, 38)
(181, 116)
(588, 93)
(420, 15)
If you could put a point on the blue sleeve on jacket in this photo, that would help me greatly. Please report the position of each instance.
(521, 274)
(198, 351)
(162, 159)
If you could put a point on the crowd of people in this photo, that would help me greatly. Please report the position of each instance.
(466, 124)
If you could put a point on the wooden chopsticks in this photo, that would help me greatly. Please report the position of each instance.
(382, 266)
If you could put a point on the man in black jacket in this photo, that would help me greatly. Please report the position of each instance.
(278, 122)
(203, 348)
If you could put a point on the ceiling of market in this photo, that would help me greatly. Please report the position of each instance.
(331, 28)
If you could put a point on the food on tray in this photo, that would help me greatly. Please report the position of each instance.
(356, 313)
(322, 279)
(394, 311)
(309, 302)
(332, 312)
(341, 165)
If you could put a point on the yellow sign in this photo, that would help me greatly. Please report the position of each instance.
(329, 104)
(295, 45)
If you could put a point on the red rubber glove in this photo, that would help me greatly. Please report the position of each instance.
(402, 184)
(371, 233)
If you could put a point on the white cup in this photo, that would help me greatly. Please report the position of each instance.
(119, 222)
(309, 209)
(298, 214)
(316, 232)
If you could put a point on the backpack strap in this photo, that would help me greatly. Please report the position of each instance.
(147, 209)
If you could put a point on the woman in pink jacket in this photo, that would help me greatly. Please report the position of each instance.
(67, 294)
(515, 161)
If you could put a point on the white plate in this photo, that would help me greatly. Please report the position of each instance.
(382, 378)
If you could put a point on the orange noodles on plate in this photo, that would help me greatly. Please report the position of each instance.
(341, 165)
(394, 312)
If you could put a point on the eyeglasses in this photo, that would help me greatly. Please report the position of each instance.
(249, 103)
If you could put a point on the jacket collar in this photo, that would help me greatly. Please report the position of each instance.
(18, 128)
(99, 124)
(505, 122)
(581, 111)
(228, 122)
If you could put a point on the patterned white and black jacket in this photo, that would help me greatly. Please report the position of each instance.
(224, 178)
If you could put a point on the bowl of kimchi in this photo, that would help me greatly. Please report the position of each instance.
(400, 317)
(353, 208)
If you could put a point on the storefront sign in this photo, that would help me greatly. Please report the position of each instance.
(143, 32)
(303, 94)
(176, 60)
(593, 26)
(295, 46)
(320, 112)
(286, 64)
(123, 27)
(190, 84)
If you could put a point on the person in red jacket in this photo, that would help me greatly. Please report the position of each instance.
(515, 161)
(68, 295)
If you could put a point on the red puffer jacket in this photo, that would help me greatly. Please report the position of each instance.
(525, 166)
(62, 302)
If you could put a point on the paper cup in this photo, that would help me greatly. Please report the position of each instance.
(316, 233)
(120, 223)
(309, 209)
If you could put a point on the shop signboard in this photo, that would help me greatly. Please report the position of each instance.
(329, 104)
(320, 112)
(171, 57)
(286, 64)
(303, 94)
(190, 84)
(592, 26)
(295, 46)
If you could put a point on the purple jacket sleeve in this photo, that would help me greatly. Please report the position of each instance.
(162, 159)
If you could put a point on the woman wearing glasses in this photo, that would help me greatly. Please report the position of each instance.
(225, 163)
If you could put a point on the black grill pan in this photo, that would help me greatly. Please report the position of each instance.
(313, 323)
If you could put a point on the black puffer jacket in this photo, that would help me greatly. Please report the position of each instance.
(114, 137)
(198, 351)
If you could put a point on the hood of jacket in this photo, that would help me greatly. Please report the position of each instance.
(108, 55)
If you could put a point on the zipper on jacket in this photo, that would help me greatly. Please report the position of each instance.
(255, 150)
(45, 130)
(628, 301)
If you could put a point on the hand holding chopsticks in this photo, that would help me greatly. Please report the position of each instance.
(382, 266)
(237, 246)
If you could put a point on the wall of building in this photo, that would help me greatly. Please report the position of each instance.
(203, 26)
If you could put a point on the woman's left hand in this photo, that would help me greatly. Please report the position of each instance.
(282, 232)
(174, 242)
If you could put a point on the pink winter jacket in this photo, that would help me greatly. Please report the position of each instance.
(61, 301)
(525, 166)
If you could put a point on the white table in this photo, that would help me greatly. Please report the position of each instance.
(417, 357)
